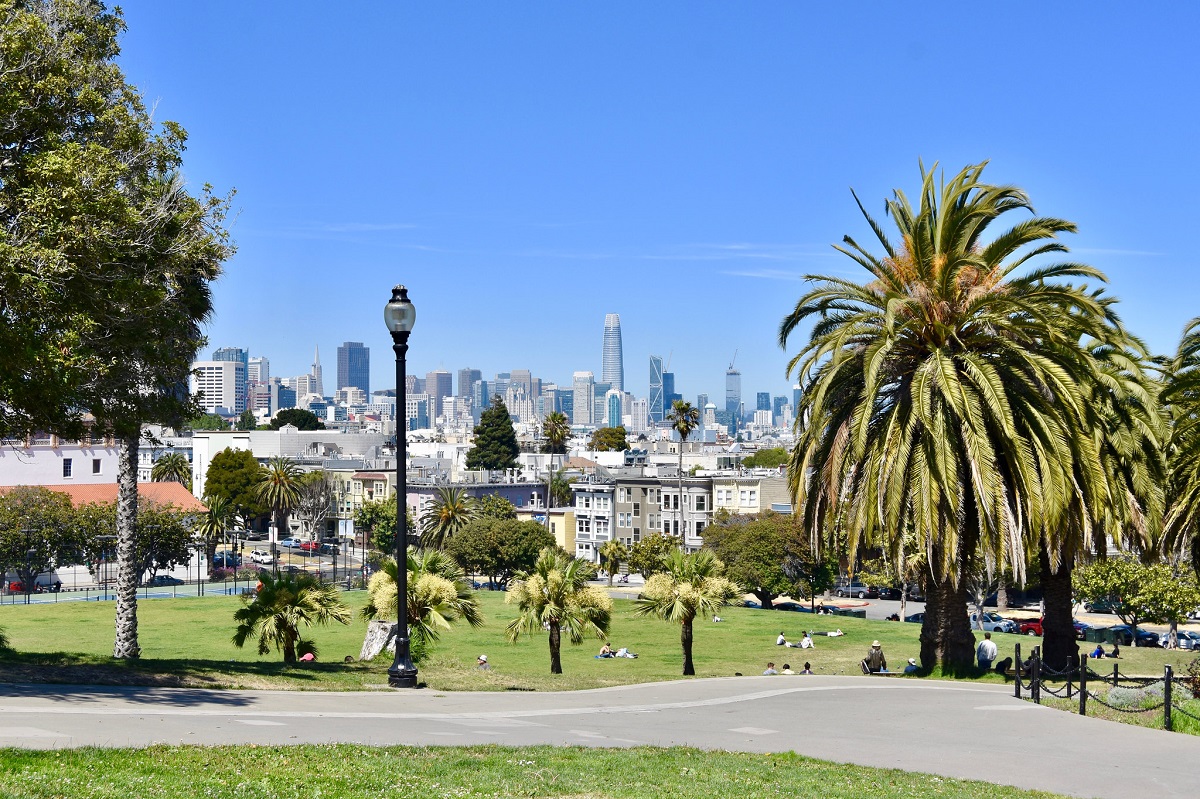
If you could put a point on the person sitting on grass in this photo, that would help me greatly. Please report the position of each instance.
(769, 670)
(606, 651)
(781, 640)
(912, 667)
(482, 664)
(807, 668)
(787, 669)
(874, 662)
(807, 642)
(1098, 652)
(1116, 651)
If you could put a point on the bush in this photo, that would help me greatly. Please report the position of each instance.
(220, 575)
(247, 573)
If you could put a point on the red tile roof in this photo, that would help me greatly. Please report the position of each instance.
(160, 493)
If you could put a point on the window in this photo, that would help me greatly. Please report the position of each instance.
(667, 526)
(700, 502)
(637, 511)
(753, 496)
(66, 467)
(623, 494)
(699, 528)
(602, 528)
(743, 497)
(95, 466)
(637, 534)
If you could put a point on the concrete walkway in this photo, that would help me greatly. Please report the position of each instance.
(951, 729)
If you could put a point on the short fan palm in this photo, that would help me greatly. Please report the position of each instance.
(282, 606)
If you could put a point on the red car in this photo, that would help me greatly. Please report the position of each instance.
(310, 546)
(1034, 627)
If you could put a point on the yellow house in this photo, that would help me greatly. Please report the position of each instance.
(562, 523)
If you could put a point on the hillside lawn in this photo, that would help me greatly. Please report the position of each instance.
(186, 642)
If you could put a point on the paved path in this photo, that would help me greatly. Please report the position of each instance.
(952, 729)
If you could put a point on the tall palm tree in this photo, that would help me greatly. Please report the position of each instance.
(172, 467)
(214, 524)
(556, 594)
(612, 555)
(281, 607)
(438, 596)
(1181, 400)
(691, 586)
(560, 489)
(684, 419)
(279, 489)
(557, 429)
(450, 510)
(948, 393)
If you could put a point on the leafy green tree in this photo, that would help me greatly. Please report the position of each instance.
(609, 439)
(498, 548)
(555, 592)
(812, 570)
(172, 467)
(1168, 596)
(376, 522)
(494, 506)
(247, 421)
(235, 474)
(557, 430)
(769, 458)
(208, 421)
(948, 394)
(283, 604)
(450, 510)
(690, 585)
(38, 519)
(438, 596)
(755, 552)
(612, 555)
(163, 535)
(299, 418)
(646, 556)
(1117, 581)
(495, 440)
(279, 489)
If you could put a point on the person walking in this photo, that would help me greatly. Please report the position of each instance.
(986, 653)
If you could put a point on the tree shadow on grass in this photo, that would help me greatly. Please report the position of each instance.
(19, 671)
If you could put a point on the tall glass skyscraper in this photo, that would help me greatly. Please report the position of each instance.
(656, 389)
(613, 372)
(354, 366)
(733, 390)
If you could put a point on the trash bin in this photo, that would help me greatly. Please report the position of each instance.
(1096, 635)
(857, 613)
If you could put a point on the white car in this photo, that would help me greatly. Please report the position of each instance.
(261, 556)
(1186, 639)
(291, 543)
(994, 623)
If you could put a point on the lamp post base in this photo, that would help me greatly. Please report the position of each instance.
(402, 678)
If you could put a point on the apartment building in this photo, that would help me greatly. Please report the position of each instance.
(593, 503)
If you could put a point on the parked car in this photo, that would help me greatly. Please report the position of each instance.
(750, 603)
(310, 546)
(993, 623)
(793, 606)
(226, 560)
(46, 581)
(252, 535)
(159, 580)
(1103, 606)
(489, 586)
(889, 592)
(1031, 627)
(291, 543)
(261, 557)
(918, 618)
(1184, 639)
(854, 588)
(1123, 634)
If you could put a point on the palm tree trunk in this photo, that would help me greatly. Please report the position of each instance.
(685, 638)
(289, 646)
(946, 632)
(555, 641)
(1059, 648)
(679, 499)
(126, 643)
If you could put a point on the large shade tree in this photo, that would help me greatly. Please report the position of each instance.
(948, 393)
(105, 257)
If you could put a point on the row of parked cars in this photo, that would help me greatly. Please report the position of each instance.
(853, 588)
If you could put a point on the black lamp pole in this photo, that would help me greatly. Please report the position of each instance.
(399, 314)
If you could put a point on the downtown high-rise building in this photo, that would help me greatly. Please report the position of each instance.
(584, 391)
(657, 409)
(354, 366)
(438, 384)
(258, 370)
(613, 363)
(466, 381)
(242, 386)
(318, 383)
(764, 401)
(733, 391)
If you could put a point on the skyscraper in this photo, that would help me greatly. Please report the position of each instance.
(614, 362)
(438, 384)
(612, 403)
(764, 401)
(466, 381)
(259, 370)
(584, 385)
(733, 390)
(354, 366)
(318, 385)
(241, 387)
(656, 390)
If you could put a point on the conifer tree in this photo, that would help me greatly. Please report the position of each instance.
(495, 440)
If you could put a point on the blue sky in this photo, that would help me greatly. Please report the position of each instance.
(527, 168)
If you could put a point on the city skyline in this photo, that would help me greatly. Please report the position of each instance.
(684, 166)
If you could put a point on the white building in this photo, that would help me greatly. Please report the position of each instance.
(51, 461)
(593, 518)
(584, 389)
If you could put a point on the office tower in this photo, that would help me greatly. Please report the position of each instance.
(318, 385)
(639, 415)
(566, 404)
(763, 401)
(669, 394)
(762, 418)
(612, 402)
(701, 401)
(656, 389)
(304, 385)
(709, 416)
(414, 384)
(480, 401)
(438, 384)
(216, 385)
(777, 404)
(354, 366)
(500, 384)
(258, 370)
(796, 391)
(584, 389)
(238, 355)
(522, 377)
(466, 381)
(416, 411)
(613, 372)
(733, 390)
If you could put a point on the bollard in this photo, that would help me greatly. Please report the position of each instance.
(1035, 681)
(1083, 685)
(1017, 666)
(1116, 675)
(1168, 679)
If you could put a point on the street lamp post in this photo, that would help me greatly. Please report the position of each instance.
(399, 315)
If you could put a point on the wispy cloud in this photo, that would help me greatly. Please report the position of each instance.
(1107, 251)
(767, 274)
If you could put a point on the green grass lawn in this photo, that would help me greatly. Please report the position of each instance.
(186, 641)
(485, 771)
